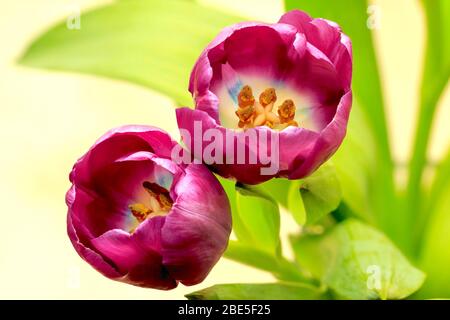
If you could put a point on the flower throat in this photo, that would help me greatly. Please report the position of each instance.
(159, 205)
(252, 113)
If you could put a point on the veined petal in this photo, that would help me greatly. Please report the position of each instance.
(136, 255)
(327, 143)
(78, 238)
(190, 252)
(326, 36)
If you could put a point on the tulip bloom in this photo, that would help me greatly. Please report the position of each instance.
(292, 78)
(138, 217)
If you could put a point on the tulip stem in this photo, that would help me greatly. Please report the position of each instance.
(289, 271)
(278, 265)
(435, 78)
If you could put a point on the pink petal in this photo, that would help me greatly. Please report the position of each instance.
(196, 231)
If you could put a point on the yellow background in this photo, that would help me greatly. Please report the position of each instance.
(48, 120)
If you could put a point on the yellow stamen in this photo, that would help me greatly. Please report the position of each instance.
(253, 114)
(245, 97)
(140, 211)
(159, 204)
(246, 110)
(286, 113)
(268, 96)
(159, 193)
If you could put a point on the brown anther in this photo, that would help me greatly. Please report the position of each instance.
(140, 211)
(286, 113)
(245, 97)
(245, 115)
(268, 96)
(253, 114)
(161, 194)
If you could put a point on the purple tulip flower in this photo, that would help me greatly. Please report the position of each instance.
(291, 79)
(138, 217)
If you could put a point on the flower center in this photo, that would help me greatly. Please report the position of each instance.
(252, 113)
(159, 203)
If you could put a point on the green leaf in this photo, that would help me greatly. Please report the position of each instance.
(278, 189)
(354, 163)
(278, 266)
(435, 257)
(153, 43)
(438, 36)
(358, 262)
(260, 291)
(438, 187)
(240, 230)
(314, 197)
(435, 78)
(260, 216)
(352, 16)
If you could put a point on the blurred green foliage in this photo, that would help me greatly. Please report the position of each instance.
(281, 291)
(358, 262)
(153, 43)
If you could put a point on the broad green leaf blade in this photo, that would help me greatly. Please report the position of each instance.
(260, 291)
(314, 197)
(260, 216)
(153, 43)
(260, 259)
(358, 262)
(435, 255)
(352, 16)
(245, 219)
(278, 189)
(435, 78)
(239, 228)
(295, 204)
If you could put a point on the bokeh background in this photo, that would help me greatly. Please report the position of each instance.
(49, 119)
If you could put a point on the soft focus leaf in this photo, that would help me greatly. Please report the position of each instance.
(315, 196)
(260, 291)
(251, 256)
(153, 43)
(435, 254)
(260, 216)
(277, 188)
(358, 262)
(435, 78)
(354, 163)
(438, 49)
(352, 16)
(239, 228)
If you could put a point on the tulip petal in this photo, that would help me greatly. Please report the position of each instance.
(190, 252)
(91, 256)
(130, 248)
(137, 255)
(119, 142)
(328, 142)
(327, 37)
(306, 60)
(288, 146)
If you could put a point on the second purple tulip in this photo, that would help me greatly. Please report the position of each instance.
(288, 82)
